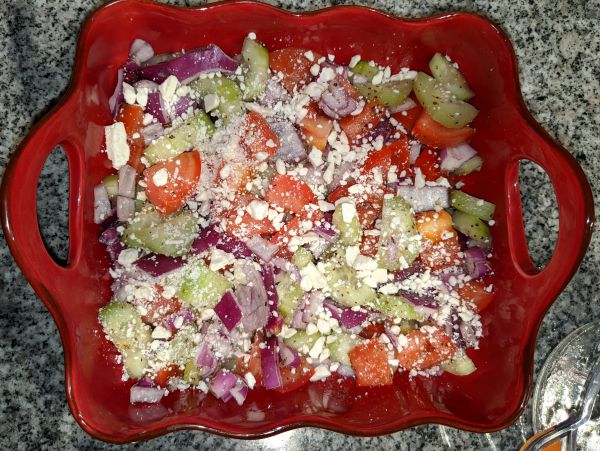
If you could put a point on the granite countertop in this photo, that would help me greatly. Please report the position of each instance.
(557, 43)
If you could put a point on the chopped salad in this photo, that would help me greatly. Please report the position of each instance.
(279, 217)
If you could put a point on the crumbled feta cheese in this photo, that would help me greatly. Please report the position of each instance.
(312, 278)
(116, 144)
(160, 177)
(321, 372)
(168, 87)
(127, 257)
(325, 206)
(327, 74)
(354, 61)
(129, 93)
(252, 35)
(311, 329)
(280, 167)
(220, 259)
(419, 178)
(314, 69)
(250, 380)
(211, 102)
(378, 78)
(317, 348)
(258, 209)
(315, 157)
(364, 263)
(148, 118)
(352, 252)
(348, 212)
(160, 333)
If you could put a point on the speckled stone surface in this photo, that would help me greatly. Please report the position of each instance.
(557, 43)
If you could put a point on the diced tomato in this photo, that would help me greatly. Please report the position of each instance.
(429, 164)
(368, 205)
(370, 363)
(132, 117)
(367, 119)
(432, 133)
(253, 365)
(373, 330)
(475, 292)
(294, 378)
(183, 173)
(396, 153)
(289, 193)
(294, 66)
(339, 192)
(258, 137)
(315, 127)
(345, 84)
(432, 225)
(408, 118)
(368, 245)
(441, 255)
(294, 227)
(425, 349)
(159, 309)
(164, 374)
(248, 226)
(236, 175)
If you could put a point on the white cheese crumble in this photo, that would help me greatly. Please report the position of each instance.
(258, 209)
(211, 102)
(160, 177)
(116, 144)
(129, 93)
(168, 87)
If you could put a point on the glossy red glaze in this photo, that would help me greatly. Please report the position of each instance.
(488, 400)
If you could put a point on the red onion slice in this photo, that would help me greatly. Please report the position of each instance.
(268, 279)
(127, 176)
(408, 104)
(288, 356)
(426, 198)
(157, 264)
(102, 208)
(125, 208)
(263, 248)
(452, 158)
(157, 108)
(140, 51)
(186, 315)
(222, 384)
(335, 102)
(116, 99)
(384, 128)
(228, 310)
(239, 392)
(415, 151)
(476, 264)
(152, 132)
(291, 148)
(351, 319)
(205, 361)
(269, 360)
(139, 394)
(188, 66)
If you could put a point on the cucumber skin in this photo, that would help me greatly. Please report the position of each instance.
(202, 288)
(470, 204)
(365, 69)
(229, 93)
(451, 77)
(256, 58)
(290, 295)
(471, 226)
(390, 94)
(350, 233)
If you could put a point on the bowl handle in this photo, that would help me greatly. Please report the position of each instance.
(19, 206)
(575, 213)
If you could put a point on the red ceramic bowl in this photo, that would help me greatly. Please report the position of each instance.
(488, 400)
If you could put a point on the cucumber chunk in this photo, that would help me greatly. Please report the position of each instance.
(395, 306)
(167, 235)
(471, 226)
(365, 69)
(392, 93)
(183, 345)
(460, 365)
(290, 295)
(350, 232)
(180, 139)
(191, 373)
(229, 93)
(471, 165)
(345, 287)
(440, 104)
(340, 348)
(201, 287)
(301, 341)
(125, 328)
(256, 60)
(111, 183)
(450, 77)
(399, 244)
(302, 257)
(473, 205)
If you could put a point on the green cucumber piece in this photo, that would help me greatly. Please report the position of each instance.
(301, 341)
(471, 226)
(125, 328)
(398, 232)
(111, 183)
(471, 165)
(290, 295)
(256, 59)
(365, 69)
(302, 257)
(229, 93)
(180, 139)
(167, 235)
(473, 205)
(450, 77)
(339, 349)
(395, 306)
(460, 365)
(191, 373)
(345, 287)
(350, 232)
(201, 287)
(440, 104)
(392, 93)
(183, 345)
